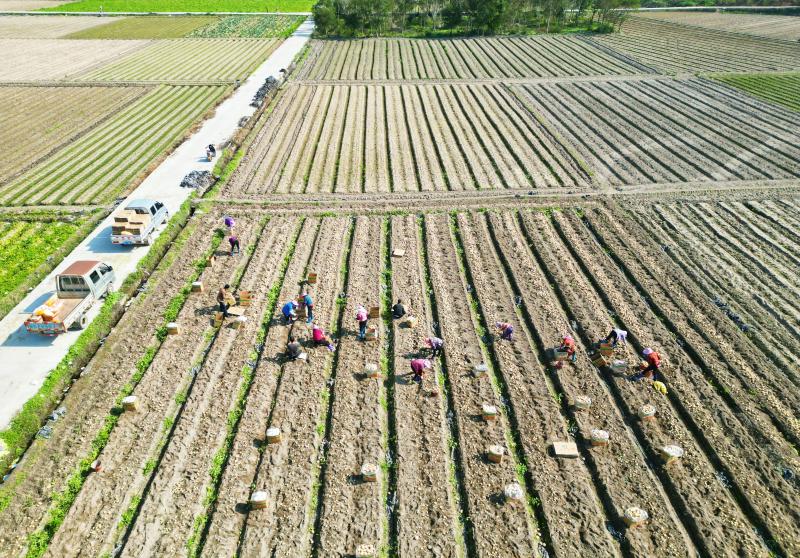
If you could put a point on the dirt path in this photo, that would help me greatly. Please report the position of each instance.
(498, 527)
(288, 471)
(38, 475)
(569, 500)
(353, 511)
(427, 513)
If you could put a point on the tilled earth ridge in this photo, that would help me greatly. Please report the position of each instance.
(426, 508)
(626, 478)
(691, 500)
(288, 472)
(496, 527)
(569, 500)
(48, 463)
(354, 511)
(92, 524)
(750, 465)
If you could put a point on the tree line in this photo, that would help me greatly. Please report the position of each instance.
(363, 18)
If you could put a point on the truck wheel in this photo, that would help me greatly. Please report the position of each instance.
(80, 323)
(148, 239)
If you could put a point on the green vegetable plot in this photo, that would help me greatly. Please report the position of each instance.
(783, 89)
(255, 27)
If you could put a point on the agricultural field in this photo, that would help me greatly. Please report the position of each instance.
(26, 244)
(467, 59)
(674, 48)
(56, 59)
(402, 138)
(771, 26)
(46, 27)
(45, 119)
(198, 60)
(179, 471)
(150, 27)
(250, 27)
(91, 170)
(29, 5)
(206, 6)
(782, 89)
(658, 131)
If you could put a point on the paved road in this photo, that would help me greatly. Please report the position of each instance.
(26, 359)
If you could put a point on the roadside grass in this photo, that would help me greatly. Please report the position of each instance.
(782, 89)
(207, 6)
(159, 27)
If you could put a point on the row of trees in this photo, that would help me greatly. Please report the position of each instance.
(442, 17)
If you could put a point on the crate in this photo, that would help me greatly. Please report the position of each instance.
(245, 298)
(197, 287)
(173, 328)
(311, 279)
(495, 453)
(130, 403)
(565, 449)
(560, 356)
(605, 349)
(599, 360)
(372, 334)
(273, 435)
(374, 312)
(258, 501)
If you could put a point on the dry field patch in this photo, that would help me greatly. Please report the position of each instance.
(149, 27)
(46, 27)
(57, 59)
(29, 5)
(772, 26)
(674, 48)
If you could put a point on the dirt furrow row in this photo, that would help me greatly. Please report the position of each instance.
(454, 166)
(350, 171)
(287, 471)
(376, 149)
(426, 508)
(404, 174)
(568, 499)
(626, 478)
(684, 499)
(40, 475)
(229, 513)
(498, 527)
(425, 147)
(323, 166)
(353, 511)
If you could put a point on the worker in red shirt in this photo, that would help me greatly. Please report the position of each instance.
(651, 363)
(568, 345)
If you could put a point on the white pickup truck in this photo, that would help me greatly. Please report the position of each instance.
(135, 224)
(77, 288)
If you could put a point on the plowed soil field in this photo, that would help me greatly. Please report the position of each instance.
(46, 27)
(177, 473)
(773, 26)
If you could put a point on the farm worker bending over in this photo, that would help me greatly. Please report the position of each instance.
(361, 318)
(234, 242)
(617, 336)
(436, 345)
(418, 368)
(293, 349)
(229, 222)
(289, 311)
(398, 310)
(650, 365)
(318, 334)
(308, 302)
(568, 344)
(506, 330)
(225, 300)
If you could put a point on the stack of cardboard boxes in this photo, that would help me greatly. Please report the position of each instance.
(128, 222)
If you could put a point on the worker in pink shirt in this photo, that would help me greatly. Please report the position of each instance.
(418, 368)
(361, 317)
(318, 334)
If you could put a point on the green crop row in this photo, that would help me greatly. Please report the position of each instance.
(783, 89)
(254, 27)
(105, 162)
